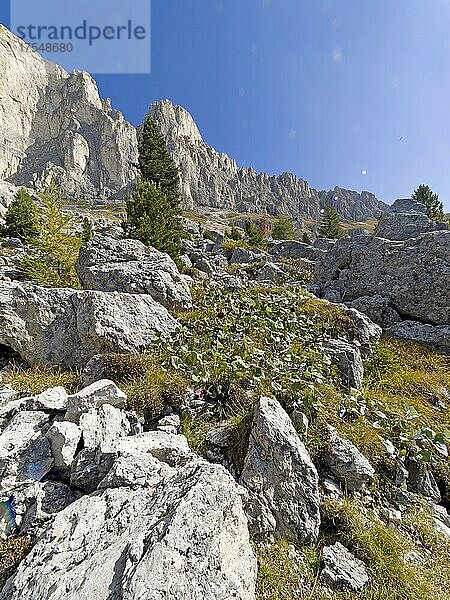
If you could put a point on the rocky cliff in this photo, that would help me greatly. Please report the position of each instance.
(55, 126)
(212, 179)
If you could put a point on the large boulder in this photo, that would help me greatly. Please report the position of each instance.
(111, 265)
(281, 478)
(67, 327)
(406, 219)
(187, 538)
(413, 274)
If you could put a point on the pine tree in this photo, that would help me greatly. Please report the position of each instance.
(156, 164)
(21, 218)
(435, 208)
(54, 251)
(255, 235)
(305, 238)
(151, 220)
(330, 223)
(153, 210)
(283, 229)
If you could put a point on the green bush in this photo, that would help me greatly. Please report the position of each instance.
(21, 218)
(284, 229)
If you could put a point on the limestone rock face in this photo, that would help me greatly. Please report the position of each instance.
(413, 274)
(281, 478)
(209, 178)
(347, 463)
(342, 570)
(406, 219)
(108, 265)
(68, 327)
(54, 125)
(186, 539)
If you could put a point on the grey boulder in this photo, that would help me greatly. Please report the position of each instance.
(111, 265)
(348, 361)
(347, 463)
(342, 571)
(67, 327)
(186, 539)
(282, 481)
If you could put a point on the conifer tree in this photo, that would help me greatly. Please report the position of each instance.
(283, 229)
(155, 163)
(88, 231)
(54, 251)
(151, 219)
(435, 208)
(21, 218)
(153, 210)
(255, 235)
(330, 223)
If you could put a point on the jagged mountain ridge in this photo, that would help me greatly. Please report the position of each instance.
(209, 178)
(55, 127)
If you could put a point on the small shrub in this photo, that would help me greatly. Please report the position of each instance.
(12, 551)
(151, 394)
(21, 218)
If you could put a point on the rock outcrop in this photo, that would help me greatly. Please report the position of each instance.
(281, 478)
(406, 219)
(67, 327)
(413, 274)
(209, 178)
(147, 530)
(107, 264)
(55, 126)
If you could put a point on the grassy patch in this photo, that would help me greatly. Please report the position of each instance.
(386, 551)
(34, 380)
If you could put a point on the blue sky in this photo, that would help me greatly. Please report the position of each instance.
(325, 89)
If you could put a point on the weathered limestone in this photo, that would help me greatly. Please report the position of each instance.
(281, 479)
(111, 265)
(190, 534)
(67, 327)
